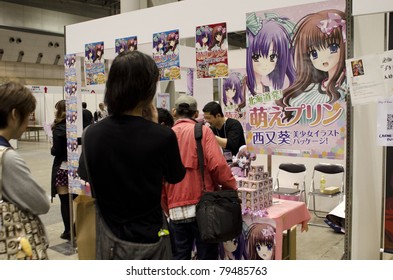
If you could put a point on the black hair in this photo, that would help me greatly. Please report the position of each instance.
(165, 117)
(183, 110)
(213, 108)
(131, 83)
(84, 105)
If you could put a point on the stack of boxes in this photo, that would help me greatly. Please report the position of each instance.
(255, 190)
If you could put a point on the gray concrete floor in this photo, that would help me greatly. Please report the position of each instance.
(318, 243)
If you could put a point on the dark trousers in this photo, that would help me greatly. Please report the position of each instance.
(184, 236)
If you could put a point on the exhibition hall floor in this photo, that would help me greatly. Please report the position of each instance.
(319, 243)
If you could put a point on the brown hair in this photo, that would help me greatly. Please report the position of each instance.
(14, 95)
(60, 112)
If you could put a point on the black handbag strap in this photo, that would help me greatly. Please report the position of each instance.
(198, 138)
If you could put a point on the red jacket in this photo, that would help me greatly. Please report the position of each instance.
(216, 169)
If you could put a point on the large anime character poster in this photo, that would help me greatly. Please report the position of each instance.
(211, 46)
(126, 44)
(296, 84)
(166, 54)
(94, 63)
(233, 96)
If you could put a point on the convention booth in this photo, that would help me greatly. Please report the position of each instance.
(316, 131)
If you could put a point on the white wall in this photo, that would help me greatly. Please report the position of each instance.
(367, 156)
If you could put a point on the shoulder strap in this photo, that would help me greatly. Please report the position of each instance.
(2, 151)
(85, 160)
(198, 138)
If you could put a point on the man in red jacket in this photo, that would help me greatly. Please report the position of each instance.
(179, 200)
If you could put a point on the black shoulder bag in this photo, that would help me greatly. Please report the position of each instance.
(218, 213)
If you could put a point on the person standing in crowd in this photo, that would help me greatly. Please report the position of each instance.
(18, 185)
(101, 113)
(87, 115)
(133, 156)
(165, 117)
(179, 200)
(59, 179)
(229, 132)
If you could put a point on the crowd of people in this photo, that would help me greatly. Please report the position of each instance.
(143, 169)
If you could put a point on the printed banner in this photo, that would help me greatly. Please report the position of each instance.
(166, 54)
(71, 89)
(94, 64)
(233, 96)
(211, 46)
(128, 43)
(296, 84)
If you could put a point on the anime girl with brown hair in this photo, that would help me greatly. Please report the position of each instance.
(219, 41)
(319, 46)
(261, 241)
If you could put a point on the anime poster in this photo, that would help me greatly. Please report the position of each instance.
(166, 54)
(71, 90)
(124, 44)
(94, 64)
(163, 100)
(233, 96)
(296, 82)
(211, 46)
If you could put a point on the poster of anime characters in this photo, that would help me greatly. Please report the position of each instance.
(296, 82)
(163, 101)
(94, 63)
(211, 46)
(233, 96)
(166, 54)
(126, 44)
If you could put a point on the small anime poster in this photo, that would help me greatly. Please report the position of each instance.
(126, 44)
(211, 46)
(163, 101)
(94, 63)
(233, 96)
(166, 54)
(69, 68)
(296, 80)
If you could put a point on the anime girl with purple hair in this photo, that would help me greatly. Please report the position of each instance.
(90, 53)
(159, 44)
(233, 249)
(319, 46)
(203, 38)
(261, 241)
(269, 55)
(233, 90)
